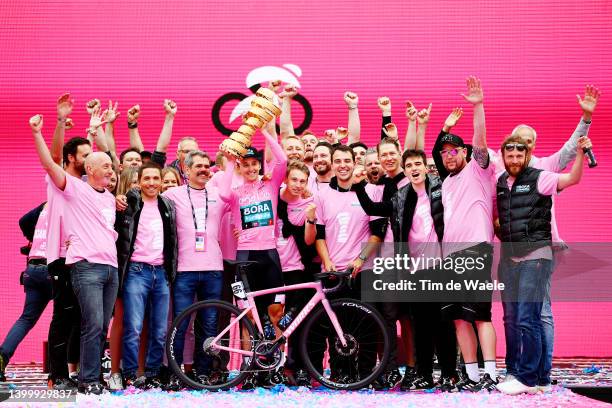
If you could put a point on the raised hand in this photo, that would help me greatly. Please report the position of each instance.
(411, 112)
(423, 115)
(310, 211)
(170, 107)
(384, 104)
(452, 119)
(391, 130)
(589, 102)
(36, 123)
(93, 105)
(133, 113)
(351, 99)
(474, 95)
(289, 92)
(359, 174)
(341, 132)
(274, 85)
(96, 120)
(330, 136)
(64, 106)
(69, 124)
(111, 113)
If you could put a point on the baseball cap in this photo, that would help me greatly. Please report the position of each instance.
(252, 152)
(452, 139)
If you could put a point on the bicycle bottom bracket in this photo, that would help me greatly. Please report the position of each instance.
(352, 346)
(209, 349)
(266, 358)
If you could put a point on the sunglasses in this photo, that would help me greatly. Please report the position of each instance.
(518, 146)
(452, 152)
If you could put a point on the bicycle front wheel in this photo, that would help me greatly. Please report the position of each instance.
(365, 355)
(213, 368)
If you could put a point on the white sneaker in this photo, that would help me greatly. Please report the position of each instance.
(509, 377)
(515, 387)
(115, 382)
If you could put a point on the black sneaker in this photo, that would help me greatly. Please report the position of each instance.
(393, 378)
(409, 377)
(274, 378)
(302, 379)
(91, 388)
(421, 383)
(464, 384)
(217, 377)
(136, 382)
(3, 364)
(486, 383)
(152, 383)
(172, 384)
(446, 384)
(64, 384)
(379, 384)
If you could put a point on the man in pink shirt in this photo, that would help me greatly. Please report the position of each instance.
(524, 203)
(199, 210)
(89, 221)
(467, 194)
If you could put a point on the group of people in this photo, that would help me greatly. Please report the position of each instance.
(134, 238)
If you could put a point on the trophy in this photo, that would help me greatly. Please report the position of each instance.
(262, 110)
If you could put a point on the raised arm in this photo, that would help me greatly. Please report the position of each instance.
(269, 128)
(95, 130)
(54, 170)
(286, 124)
(452, 119)
(110, 115)
(354, 124)
(166, 133)
(278, 155)
(132, 116)
(64, 109)
(423, 120)
(384, 104)
(575, 174)
(479, 141)
(588, 104)
(225, 184)
(411, 132)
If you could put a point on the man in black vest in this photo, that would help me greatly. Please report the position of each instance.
(524, 202)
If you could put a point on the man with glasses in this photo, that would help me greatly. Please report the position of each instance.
(467, 197)
(186, 145)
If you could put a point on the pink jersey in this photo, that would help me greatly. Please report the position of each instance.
(227, 241)
(206, 257)
(39, 243)
(56, 234)
(313, 185)
(90, 223)
(467, 198)
(422, 236)
(287, 248)
(346, 225)
(149, 243)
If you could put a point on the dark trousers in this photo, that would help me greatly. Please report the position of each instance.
(64, 331)
(431, 331)
(296, 299)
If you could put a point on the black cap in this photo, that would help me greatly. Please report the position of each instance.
(252, 152)
(452, 139)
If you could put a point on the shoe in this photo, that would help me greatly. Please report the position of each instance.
(173, 384)
(152, 383)
(91, 388)
(509, 377)
(409, 376)
(545, 388)
(217, 377)
(64, 384)
(515, 387)
(379, 384)
(136, 382)
(250, 382)
(115, 382)
(302, 379)
(464, 384)
(422, 383)
(274, 378)
(394, 377)
(446, 384)
(486, 383)
(3, 364)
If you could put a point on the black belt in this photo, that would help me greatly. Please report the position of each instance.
(37, 261)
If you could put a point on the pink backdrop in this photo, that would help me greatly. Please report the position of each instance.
(532, 57)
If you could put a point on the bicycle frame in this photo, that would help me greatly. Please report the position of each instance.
(319, 296)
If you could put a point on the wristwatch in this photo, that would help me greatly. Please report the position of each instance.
(363, 257)
(312, 222)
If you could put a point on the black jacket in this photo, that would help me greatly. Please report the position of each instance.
(126, 225)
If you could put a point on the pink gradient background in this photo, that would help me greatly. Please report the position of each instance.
(532, 58)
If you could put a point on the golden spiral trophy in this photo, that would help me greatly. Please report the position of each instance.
(263, 109)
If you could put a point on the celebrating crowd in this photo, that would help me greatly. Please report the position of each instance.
(134, 238)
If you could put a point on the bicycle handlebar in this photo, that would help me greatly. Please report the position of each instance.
(342, 279)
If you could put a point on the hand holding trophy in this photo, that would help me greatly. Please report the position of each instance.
(263, 109)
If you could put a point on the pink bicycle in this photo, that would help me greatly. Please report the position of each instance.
(344, 343)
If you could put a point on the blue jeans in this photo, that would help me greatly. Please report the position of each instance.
(145, 288)
(525, 288)
(548, 337)
(207, 285)
(95, 286)
(38, 288)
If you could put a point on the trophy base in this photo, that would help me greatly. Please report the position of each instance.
(233, 148)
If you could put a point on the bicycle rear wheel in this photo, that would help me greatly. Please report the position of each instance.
(213, 369)
(361, 361)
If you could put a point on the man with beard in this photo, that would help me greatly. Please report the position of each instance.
(199, 210)
(322, 166)
(372, 166)
(524, 203)
(467, 195)
(89, 211)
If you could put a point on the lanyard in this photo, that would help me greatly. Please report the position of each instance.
(195, 222)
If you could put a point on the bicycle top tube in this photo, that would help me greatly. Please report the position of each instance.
(317, 285)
